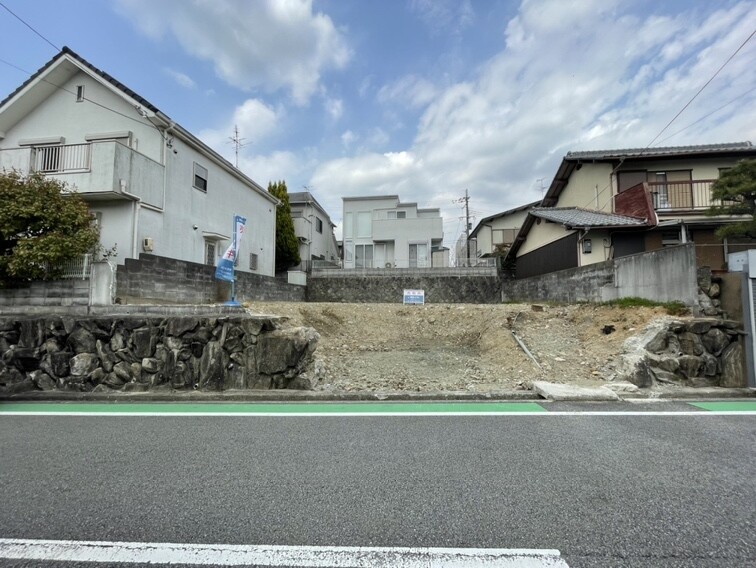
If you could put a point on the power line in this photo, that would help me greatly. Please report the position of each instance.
(709, 114)
(85, 98)
(20, 19)
(614, 170)
(742, 45)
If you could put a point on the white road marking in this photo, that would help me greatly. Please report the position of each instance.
(440, 413)
(305, 556)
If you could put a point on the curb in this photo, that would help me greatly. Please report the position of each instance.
(357, 396)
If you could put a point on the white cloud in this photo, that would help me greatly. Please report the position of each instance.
(573, 76)
(409, 90)
(444, 16)
(348, 138)
(263, 45)
(334, 108)
(181, 78)
(255, 121)
(277, 166)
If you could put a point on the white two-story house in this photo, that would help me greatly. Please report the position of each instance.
(314, 230)
(382, 232)
(152, 185)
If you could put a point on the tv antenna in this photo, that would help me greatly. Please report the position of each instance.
(237, 141)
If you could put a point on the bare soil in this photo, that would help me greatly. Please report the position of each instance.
(462, 347)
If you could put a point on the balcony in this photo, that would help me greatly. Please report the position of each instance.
(98, 170)
(680, 196)
(415, 228)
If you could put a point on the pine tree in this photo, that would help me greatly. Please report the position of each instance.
(287, 245)
(735, 190)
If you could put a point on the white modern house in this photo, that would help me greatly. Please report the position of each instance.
(382, 232)
(152, 185)
(314, 230)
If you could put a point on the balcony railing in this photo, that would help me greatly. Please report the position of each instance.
(681, 195)
(62, 159)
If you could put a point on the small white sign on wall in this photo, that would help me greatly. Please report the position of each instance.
(414, 296)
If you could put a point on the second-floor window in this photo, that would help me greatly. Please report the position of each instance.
(318, 225)
(200, 177)
(396, 214)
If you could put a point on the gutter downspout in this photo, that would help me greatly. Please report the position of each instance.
(137, 201)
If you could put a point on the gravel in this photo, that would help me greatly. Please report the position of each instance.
(462, 347)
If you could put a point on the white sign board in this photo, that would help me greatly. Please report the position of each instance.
(414, 296)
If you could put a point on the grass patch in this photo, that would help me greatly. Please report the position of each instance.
(672, 308)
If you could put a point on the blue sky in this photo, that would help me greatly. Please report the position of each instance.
(420, 98)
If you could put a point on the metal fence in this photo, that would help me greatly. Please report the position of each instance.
(75, 269)
(64, 158)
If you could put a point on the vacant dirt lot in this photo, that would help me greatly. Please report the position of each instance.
(456, 347)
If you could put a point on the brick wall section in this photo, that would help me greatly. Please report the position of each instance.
(159, 279)
(52, 293)
(439, 289)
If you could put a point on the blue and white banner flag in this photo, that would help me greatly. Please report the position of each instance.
(225, 269)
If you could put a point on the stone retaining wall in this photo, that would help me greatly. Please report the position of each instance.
(133, 353)
(370, 288)
(697, 352)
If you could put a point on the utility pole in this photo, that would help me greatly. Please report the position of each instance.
(237, 142)
(466, 201)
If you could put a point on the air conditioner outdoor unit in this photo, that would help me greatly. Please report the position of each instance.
(147, 244)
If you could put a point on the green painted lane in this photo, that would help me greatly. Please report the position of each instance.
(727, 406)
(269, 408)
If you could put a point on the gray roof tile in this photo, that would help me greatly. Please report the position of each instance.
(577, 217)
(661, 151)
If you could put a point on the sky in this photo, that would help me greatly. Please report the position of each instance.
(423, 99)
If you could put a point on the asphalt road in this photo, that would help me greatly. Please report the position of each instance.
(604, 490)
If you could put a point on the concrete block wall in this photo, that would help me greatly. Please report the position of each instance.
(582, 284)
(51, 293)
(662, 276)
(158, 279)
(385, 288)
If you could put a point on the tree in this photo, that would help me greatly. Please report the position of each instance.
(735, 190)
(287, 245)
(41, 226)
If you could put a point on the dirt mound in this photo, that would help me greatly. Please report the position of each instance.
(462, 347)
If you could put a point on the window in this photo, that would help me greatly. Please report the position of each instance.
(200, 177)
(348, 230)
(79, 93)
(252, 261)
(318, 225)
(348, 250)
(396, 214)
(210, 249)
(626, 180)
(363, 256)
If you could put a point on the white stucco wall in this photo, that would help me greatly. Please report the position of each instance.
(172, 206)
(398, 234)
